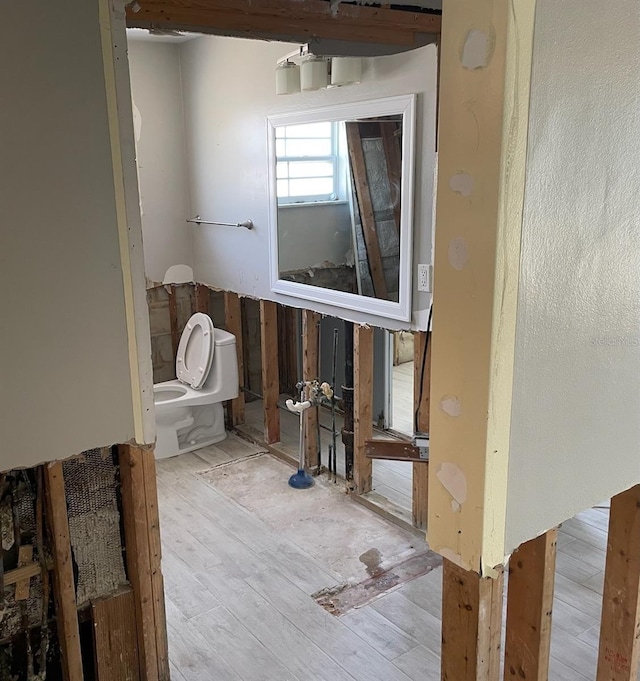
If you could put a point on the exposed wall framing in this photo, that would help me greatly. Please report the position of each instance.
(233, 323)
(362, 407)
(270, 374)
(289, 20)
(529, 609)
(471, 625)
(421, 405)
(310, 372)
(142, 536)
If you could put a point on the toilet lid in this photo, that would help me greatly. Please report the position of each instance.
(195, 352)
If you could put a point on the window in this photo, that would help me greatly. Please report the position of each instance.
(306, 162)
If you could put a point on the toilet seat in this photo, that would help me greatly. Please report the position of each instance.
(195, 351)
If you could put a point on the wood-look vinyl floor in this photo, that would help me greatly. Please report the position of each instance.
(239, 607)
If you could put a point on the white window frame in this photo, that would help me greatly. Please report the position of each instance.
(348, 111)
(333, 158)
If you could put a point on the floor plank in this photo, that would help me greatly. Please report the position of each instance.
(352, 653)
(239, 586)
(239, 648)
(419, 664)
(379, 632)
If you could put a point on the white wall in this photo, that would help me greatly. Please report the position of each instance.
(575, 436)
(68, 317)
(156, 90)
(229, 88)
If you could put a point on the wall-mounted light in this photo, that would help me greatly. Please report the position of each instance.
(346, 70)
(302, 71)
(287, 78)
(314, 73)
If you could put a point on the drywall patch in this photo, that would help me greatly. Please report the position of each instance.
(451, 405)
(458, 254)
(462, 183)
(477, 50)
(454, 481)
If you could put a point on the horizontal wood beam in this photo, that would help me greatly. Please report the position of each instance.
(292, 19)
(393, 450)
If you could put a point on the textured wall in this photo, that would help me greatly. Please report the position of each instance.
(64, 345)
(575, 436)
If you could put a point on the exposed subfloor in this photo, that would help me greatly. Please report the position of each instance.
(391, 479)
(243, 553)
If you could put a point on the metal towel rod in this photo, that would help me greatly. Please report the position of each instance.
(247, 224)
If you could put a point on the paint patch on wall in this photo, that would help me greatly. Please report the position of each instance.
(451, 405)
(477, 50)
(454, 481)
(462, 183)
(453, 556)
(458, 254)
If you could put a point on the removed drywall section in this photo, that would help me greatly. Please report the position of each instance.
(94, 524)
(156, 90)
(229, 89)
(67, 328)
(575, 432)
(161, 311)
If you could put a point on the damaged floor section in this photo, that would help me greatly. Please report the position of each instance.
(244, 556)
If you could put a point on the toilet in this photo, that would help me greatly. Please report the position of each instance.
(189, 412)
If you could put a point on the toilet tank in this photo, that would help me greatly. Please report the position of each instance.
(223, 375)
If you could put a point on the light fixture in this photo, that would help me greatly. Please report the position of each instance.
(287, 78)
(346, 70)
(314, 73)
(302, 71)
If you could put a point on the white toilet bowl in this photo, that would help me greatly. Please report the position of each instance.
(189, 412)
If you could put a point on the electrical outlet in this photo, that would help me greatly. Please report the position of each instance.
(424, 278)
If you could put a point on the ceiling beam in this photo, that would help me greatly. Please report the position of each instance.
(289, 20)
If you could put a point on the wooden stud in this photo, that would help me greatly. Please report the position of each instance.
(23, 587)
(270, 374)
(280, 19)
(391, 145)
(64, 587)
(620, 624)
(142, 540)
(363, 196)
(529, 608)
(173, 319)
(362, 407)
(114, 637)
(233, 324)
(155, 562)
(421, 402)
(310, 372)
(202, 298)
(471, 625)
